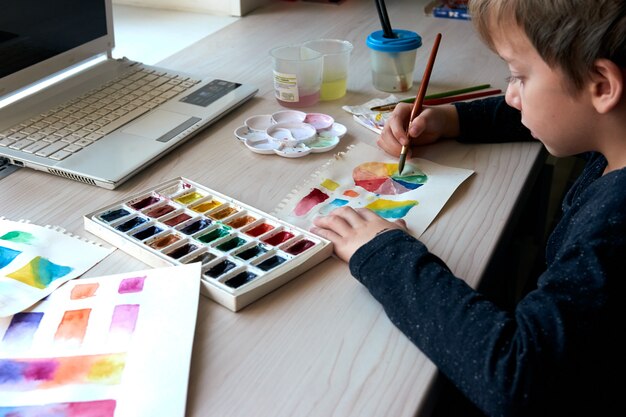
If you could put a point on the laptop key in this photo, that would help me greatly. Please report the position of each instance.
(34, 147)
(57, 156)
(52, 148)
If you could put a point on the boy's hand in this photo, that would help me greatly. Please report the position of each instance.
(349, 229)
(432, 124)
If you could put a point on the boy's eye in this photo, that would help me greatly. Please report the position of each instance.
(512, 79)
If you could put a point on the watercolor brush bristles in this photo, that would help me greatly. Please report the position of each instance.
(421, 93)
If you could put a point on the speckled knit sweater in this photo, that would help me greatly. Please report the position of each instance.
(557, 353)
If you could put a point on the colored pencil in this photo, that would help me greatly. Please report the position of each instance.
(446, 100)
(391, 106)
(417, 105)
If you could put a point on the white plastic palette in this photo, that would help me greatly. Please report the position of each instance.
(245, 253)
(290, 133)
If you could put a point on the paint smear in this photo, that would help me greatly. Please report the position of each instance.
(391, 209)
(7, 255)
(144, 202)
(351, 193)
(19, 237)
(206, 206)
(329, 184)
(259, 230)
(189, 198)
(99, 408)
(337, 202)
(123, 322)
(223, 213)
(173, 221)
(130, 285)
(383, 178)
(42, 373)
(301, 246)
(164, 241)
(278, 238)
(309, 201)
(160, 211)
(40, 272)
(21, 330)
(114, 214)
(81, 291)
(241, 221)
(73, 326)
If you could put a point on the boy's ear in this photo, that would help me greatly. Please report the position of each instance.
(607, 85)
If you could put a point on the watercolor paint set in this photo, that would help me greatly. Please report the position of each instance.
(245, 253)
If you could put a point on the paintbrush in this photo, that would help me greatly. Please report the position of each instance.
(417, 104)
(391, 106)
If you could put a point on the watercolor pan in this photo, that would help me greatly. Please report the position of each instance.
(245, 253)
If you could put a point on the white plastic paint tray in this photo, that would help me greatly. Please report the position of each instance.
(245, 253)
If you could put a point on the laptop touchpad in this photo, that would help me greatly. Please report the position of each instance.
(157, 124)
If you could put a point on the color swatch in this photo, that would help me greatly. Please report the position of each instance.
(100, 408)
(19, 334)
(43, 373)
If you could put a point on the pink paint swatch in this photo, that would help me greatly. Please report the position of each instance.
(309, 201)
(101, 408)
(130, 285)
(81, 291)
(123, 321)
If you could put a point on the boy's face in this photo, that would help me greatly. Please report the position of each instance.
(559, 119)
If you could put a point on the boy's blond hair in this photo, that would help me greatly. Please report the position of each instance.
(568, 34)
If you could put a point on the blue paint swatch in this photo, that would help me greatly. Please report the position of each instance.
(7, 255)
(19, 334)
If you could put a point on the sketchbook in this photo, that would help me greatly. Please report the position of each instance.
(36, 260)
(365, 176)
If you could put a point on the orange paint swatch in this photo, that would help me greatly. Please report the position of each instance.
(83, 291)
(73, 325)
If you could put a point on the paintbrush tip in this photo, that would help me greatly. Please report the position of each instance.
(401, 161)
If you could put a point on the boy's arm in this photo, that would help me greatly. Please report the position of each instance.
(490, 120)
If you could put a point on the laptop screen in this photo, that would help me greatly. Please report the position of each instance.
(34, 31)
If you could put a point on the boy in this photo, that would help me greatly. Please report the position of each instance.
(557, 353)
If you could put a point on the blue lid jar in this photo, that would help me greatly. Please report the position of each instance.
(405, 41)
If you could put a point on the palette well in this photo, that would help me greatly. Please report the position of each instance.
(290, 133)
(245, 253)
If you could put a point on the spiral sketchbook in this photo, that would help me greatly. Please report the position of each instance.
(36, 260)
(365, 176)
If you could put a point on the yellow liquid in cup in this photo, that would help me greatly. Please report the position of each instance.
(332, 90)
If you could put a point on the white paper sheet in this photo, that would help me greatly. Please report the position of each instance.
(35, 260)
(115, 346)
(365, 176)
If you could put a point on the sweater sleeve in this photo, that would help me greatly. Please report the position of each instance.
(490, 120)
(507, 362)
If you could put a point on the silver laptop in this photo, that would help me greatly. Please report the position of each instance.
(108, 118)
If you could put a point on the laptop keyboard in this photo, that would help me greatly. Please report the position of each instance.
(72, 126)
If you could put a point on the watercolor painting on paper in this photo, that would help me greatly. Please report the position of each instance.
(35, 260)
(88, 349)
(365, 176)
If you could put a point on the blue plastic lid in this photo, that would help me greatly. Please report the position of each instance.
(405, 41)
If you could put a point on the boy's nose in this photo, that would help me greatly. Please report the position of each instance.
(512, 97)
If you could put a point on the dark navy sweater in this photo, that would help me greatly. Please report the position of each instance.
(558, 352)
